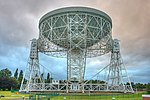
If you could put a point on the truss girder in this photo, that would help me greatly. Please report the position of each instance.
(87, 88)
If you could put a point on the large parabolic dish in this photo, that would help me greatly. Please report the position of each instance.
(76, 28)
(77, 33)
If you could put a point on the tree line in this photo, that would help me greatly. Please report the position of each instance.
(10, 81)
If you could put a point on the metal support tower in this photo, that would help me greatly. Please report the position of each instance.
(33, 76)
(117, 75)
(76, 54)
(76, 67)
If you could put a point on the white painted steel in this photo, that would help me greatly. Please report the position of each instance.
(76, 33)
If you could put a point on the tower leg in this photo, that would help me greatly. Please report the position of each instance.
(76, 61)
(117, 74)
(33, 71)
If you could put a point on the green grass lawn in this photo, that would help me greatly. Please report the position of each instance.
(100, 97)
(13, 96)
(93, 97)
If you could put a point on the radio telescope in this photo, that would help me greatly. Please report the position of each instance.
(76, 33)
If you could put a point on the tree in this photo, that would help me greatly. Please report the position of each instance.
(148, 88)
(140, 86)
(42, 76)
(16, 74)
(7, 83)
(20, 77)
(48, 78)
(5, 73)
(132, 84)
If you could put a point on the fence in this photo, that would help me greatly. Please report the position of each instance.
(108, 96)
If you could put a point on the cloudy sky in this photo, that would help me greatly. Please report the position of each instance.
(131, 24)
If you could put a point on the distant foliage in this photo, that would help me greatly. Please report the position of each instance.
(6, 81)
(16, 74)
(48, 80)
(20, 77)
(5, 73)
(140, 86)
(148, 88)
(137, 86)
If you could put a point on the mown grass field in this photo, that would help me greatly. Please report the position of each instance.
(13, 96)
(96, 97)
(8, 95)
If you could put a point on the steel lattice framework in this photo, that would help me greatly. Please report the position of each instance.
(75, 28)
(75, 33)
(78, 32)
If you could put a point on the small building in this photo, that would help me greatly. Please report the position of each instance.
(146, 97)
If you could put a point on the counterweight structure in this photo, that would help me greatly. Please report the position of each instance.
(76, 33)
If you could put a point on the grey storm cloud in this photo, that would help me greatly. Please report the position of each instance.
(134, 30)
(19, 24)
